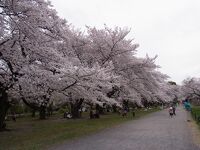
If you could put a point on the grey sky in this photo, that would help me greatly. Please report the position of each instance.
(167, 28)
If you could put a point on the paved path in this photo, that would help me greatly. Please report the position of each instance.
(156, 131)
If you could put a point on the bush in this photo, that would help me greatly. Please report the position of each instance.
(17, 109)
(62, 110)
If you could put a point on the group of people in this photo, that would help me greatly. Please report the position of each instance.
(172, 108)
(67, 115)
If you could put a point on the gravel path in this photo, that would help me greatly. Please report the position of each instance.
(156, 131)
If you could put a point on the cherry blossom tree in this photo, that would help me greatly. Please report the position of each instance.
(29, 33)
(39, 56)
(191, 88)
(44, 62)
(137, 75)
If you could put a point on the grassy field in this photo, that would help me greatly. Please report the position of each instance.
(34, 134)
(195, 124)
(196, 113)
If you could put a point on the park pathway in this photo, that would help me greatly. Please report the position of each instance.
(156, 131)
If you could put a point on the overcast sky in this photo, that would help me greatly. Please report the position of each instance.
(167, 28)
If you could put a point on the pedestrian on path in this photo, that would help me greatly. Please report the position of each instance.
(187, 105)
(171, 111)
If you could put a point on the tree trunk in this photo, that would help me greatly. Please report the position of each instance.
(42, 112)
(75, 108)
(99, 110)
(33, 113)
(126, 105)
(114, 107)
(75, 111)
(4, 105)
(49, 111)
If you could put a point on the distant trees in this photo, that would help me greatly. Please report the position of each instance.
(191, 89)
(172, 82)
(44, 61)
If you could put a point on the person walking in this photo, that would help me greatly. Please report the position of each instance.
(187, 105)
(174, 109)
(170, 111)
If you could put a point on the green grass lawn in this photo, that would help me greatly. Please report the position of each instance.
(34, 134)
(196, 114)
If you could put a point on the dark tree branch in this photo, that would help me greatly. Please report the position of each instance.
(69, 85)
